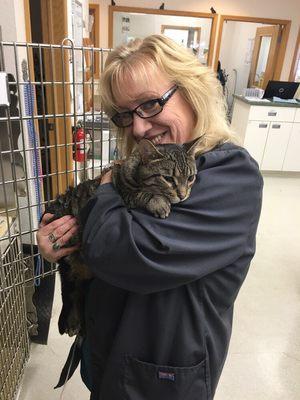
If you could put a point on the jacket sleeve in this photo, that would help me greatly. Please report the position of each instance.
(137, 252)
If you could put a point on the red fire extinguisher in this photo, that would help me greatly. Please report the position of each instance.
(79, 139)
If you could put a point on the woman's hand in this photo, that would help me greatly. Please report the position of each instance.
(51, 236)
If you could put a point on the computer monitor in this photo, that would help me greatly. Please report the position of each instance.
(284, 90)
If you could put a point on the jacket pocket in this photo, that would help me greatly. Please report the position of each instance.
(146, 381)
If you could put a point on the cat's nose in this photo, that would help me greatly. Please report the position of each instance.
(181, 195)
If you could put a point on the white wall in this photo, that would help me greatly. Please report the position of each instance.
(19, 20)
(234, 53)
(288, 9)
(141, 26)
(12, 21)
(7, 21)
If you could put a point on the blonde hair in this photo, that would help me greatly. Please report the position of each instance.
(197, 84)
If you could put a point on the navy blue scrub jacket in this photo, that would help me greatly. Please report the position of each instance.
(159, 312)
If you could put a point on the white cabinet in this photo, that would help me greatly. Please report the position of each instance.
(292, 155)
(270, 133)
(266, 113)
(276, 145)
(255, 139)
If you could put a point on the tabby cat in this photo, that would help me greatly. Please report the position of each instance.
(152, 178)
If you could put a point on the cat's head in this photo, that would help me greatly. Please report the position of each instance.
(168, 169)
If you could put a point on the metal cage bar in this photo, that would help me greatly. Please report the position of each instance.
(51, 89)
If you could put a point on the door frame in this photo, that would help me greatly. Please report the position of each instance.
(213, 17)
(54, 29)
(96, 8)
(285, 24)
(295, 59)
(270, 31)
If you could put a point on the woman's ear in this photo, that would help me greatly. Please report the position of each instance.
(191, 147)
(148, 151)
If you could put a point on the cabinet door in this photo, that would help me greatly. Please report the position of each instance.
(274, 114)
(292, 156)
(255, 139)
(276, 145)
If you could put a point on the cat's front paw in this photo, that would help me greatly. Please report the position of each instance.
(69, 324)
(159, 206)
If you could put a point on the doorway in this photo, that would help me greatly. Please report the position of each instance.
(264, 53)
(251, 52)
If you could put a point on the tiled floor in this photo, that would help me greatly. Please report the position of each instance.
(264, 356)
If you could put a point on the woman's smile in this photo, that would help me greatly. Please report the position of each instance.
(176, 121)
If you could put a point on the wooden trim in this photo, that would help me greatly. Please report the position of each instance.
(255, 53)
(295, 59)
(54, 23)
(111, 10)
(46, 17)
(161, 12)
(269, 74)
(212, 40)
(29, 39)
(219, 39)
(27, 21)
(270, 21)
(273, 32)
(284, 38)
(285, 31)
(96, 9)
(266, 30)
(140, 10)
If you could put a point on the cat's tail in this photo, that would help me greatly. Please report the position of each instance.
(72, 362)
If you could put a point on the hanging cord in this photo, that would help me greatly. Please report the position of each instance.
(36, 162)
(230, 106)
(75, 345)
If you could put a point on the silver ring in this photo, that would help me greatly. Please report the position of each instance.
(56, 246)
(52, 238)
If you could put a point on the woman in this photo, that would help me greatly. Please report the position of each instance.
(159, 312)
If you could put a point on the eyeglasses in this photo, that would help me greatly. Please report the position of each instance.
(145, 110)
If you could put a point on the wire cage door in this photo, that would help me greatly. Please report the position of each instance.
(53, 134)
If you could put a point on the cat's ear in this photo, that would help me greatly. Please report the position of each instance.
(148, 151)
(191, 147)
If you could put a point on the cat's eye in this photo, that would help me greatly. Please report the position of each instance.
(153, 176)
(169, 179)
(191, 178)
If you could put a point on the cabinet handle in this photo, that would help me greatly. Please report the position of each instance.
(272, 113)
(277, 126)
(263, 125)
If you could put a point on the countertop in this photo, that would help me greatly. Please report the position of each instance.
(266, 103)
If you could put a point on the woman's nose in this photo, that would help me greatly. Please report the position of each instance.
(140, 126)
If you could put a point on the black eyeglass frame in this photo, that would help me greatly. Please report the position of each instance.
(161, 101)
